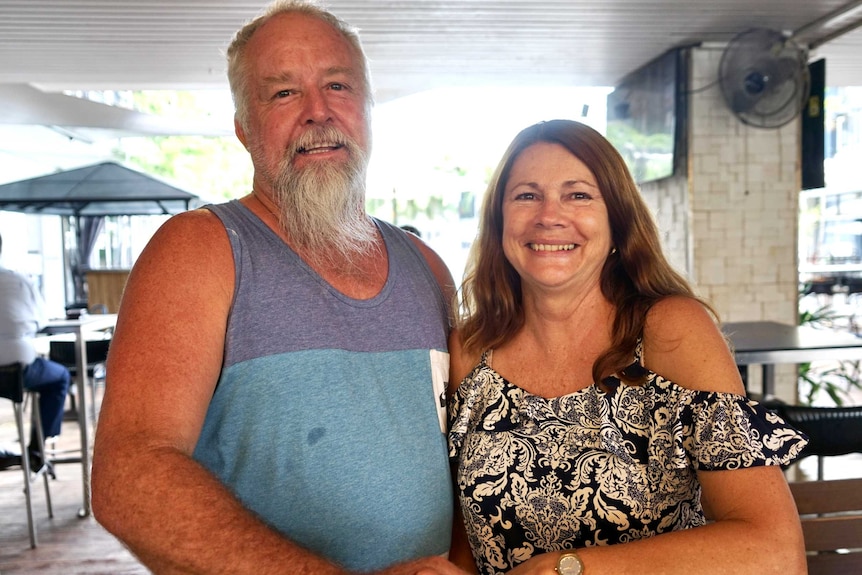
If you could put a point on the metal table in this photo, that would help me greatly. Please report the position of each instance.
(767, 343)
(80, 328)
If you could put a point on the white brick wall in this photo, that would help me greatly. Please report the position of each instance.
(730, 223)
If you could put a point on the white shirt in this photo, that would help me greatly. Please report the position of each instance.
(22, 313)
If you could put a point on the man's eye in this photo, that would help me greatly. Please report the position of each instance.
(337, 87)
(283, 93)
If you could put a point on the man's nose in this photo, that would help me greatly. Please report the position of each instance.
(317, 110)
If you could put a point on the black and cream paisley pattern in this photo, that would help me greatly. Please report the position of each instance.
(594, 467)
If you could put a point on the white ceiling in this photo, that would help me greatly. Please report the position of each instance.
(412, 44)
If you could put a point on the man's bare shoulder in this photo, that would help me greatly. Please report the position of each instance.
(190, 249)
(193, 233)
(188, 264)
(438, 267)
(195, 222)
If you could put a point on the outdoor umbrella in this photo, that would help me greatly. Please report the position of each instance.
(85, 195)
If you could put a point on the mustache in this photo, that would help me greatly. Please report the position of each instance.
(321, 137)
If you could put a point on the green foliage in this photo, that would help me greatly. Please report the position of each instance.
(824, 316)
(837, 380)
(214, 168)
(646, 155)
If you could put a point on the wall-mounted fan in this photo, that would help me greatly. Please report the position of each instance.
(764, 77)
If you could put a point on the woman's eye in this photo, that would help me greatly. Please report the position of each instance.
(581, 196)
(525, 196)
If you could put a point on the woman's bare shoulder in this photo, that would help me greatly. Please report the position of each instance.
(684, 343)
(461, 362)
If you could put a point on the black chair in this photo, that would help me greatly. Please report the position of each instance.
(12, 388)
(63, 352)
(831, 430)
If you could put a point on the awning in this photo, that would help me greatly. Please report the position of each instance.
(106, 189)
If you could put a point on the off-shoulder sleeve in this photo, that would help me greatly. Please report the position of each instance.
(729, 431)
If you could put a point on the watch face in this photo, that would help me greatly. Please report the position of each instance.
(569, 565)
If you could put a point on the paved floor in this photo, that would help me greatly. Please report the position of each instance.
(67, 545)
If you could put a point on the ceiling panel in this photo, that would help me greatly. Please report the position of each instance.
(412, 44)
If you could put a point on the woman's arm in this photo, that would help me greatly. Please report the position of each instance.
(755, 531)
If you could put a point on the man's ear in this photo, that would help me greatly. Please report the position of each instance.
(240, 133)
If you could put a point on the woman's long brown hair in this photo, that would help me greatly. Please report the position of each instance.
(634, 277)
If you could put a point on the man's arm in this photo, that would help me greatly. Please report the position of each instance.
(441, 272)
(164, 363)
(165, 360)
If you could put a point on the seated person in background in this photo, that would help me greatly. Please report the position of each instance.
(598, 422)
(412, 229)
(22, 314)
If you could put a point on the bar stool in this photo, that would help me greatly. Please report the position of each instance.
(12, 388)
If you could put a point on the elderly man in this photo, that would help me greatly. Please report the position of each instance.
(274, 382)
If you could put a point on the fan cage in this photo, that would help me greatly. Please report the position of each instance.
(764, 78)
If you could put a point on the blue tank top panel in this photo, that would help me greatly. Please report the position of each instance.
(324, 421)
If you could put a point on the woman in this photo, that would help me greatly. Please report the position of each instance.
(600, 423)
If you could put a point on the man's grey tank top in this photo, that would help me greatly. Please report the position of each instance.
(325, 420)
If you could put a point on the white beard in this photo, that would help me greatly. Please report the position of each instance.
(322, 206)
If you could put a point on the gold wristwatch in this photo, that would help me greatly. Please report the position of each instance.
(570, 564)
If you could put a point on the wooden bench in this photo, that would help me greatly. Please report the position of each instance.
(831, 514)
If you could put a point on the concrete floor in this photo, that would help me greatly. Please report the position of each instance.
(66, 544)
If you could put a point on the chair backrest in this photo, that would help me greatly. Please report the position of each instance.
(12, 382)
(63, 352)
(831, 515)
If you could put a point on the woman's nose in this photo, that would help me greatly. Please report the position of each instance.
(550, 213)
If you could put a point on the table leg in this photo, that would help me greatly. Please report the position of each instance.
(743, 373)
(768, 382)
(81, 382)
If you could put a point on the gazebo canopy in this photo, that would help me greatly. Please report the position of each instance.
(106, 189)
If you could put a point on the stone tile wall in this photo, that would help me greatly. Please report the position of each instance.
(730, 223)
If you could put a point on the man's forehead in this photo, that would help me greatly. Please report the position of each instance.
(276, 41)
(298, 28)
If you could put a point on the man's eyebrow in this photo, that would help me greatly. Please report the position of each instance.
(340, 70)
(278, 79)
(290, 77)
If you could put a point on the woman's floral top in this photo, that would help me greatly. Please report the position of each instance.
(595, 467)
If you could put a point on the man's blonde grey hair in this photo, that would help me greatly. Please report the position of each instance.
(237, 66)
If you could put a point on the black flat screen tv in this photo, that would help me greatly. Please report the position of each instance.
(646, 118)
